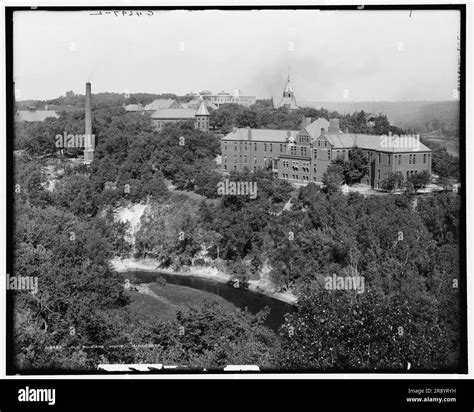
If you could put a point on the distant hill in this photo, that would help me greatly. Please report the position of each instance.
(419, 116)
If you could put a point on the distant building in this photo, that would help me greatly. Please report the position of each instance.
(288, 100)
(231, 98)
(134, 107)
(303, 156)
(160, 104)
(195, 103)
(200, 117)
(34, 115)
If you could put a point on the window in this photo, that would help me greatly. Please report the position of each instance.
(235, 158)
(319, 143)
(388, 159)
(255, 146)
(301, 150)
(245, 158)
(424, 158)
(235, 145)
(264, 160)
(225, 146)
(271, 147)
(315, 153)
(414, 159)
(245, 146)
(255, 159)
(225, 167)
(378, 174)
(399, 159)
(281, 148)
(379, 160)
(225, 158)
(409, 159)
(408, 174)
(329, 155)
(264, 147)
(325, 143)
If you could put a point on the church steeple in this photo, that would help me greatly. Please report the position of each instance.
(288, 100)
(288, 92)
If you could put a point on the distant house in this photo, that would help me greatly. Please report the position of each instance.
(195, 103)
(134, 107)
(33, 115)
(200, 116)
(160, 104)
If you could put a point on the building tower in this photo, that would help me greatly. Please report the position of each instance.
(89, 138)
(288, 99)
(202, 118)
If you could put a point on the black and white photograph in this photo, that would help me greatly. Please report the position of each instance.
(235, 190)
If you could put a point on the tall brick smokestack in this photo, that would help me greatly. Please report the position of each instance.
(88, 110)
(89, 138)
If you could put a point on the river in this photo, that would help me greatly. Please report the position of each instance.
(241, 298)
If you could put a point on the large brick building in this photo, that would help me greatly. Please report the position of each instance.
(303, 156)
(199, 116)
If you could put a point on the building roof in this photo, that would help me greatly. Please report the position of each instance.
(202, 111)
(395, 143)
(174, 114)
(288, 88)
(314, 129)
(289, 102)
(34, 115)
(260, 135)
(288, 99)
(159, 104)
(133, 108)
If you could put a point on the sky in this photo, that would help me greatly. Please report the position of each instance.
(331, 55)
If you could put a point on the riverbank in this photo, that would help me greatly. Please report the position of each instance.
(263, 286)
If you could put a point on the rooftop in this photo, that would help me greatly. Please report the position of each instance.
(34, 115)
(159, 104)
(264, 135)
(395, 143)
(174, 114)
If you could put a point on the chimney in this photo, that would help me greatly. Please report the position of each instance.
(306, 121)
(323, 130)
(334, 126)
(234, 129)
(249, 133)
(89, 138)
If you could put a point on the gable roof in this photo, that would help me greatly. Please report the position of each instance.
(174, 114)
(133, 107)
(159, 104)
(314, 129)
(264, 135)
(375, 142)
(290, 102)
